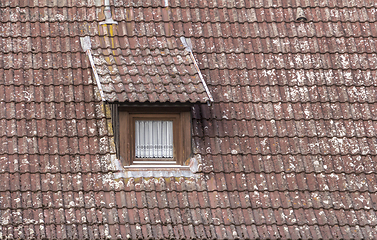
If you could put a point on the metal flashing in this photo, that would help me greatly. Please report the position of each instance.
(108, 16)
(188, 46)
(86, 46)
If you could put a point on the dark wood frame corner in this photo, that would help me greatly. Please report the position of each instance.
(124, 143)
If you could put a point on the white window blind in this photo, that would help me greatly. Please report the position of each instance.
(153, 139)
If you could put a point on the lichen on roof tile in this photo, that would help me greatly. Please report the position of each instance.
(175, 64)
(287, 149)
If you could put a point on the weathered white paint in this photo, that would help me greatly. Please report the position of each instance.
(136, 171)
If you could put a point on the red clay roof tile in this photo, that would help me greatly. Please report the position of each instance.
(287, 149)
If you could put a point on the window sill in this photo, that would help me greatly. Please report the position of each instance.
(151, 167)
(154, 163)
(154, 170)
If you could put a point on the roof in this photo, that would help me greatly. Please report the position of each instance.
(287, 149)
(145, 70)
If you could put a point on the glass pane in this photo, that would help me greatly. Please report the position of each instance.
(153, 139)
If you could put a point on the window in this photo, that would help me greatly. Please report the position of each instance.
(153, 135)
(153, 138)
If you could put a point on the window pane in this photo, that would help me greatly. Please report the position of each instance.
(153, 139)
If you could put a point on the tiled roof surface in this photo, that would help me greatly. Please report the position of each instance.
(287, 150)
(146, 70)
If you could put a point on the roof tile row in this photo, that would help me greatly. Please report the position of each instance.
(52, 16)
(294, 94)
(349, 186)
(281, 128)
(126, 46)
(197, 30)
(235, 162)
(290, 111)
(287, 145)
(192, 4)
(221, 61)
(290, 79)
(240, 15)
(50, 110)
(221, 128)
(54, 145)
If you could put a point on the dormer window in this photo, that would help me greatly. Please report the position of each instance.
(154, 135)
(150, 93)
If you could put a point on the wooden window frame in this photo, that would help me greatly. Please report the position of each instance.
(181, 117)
